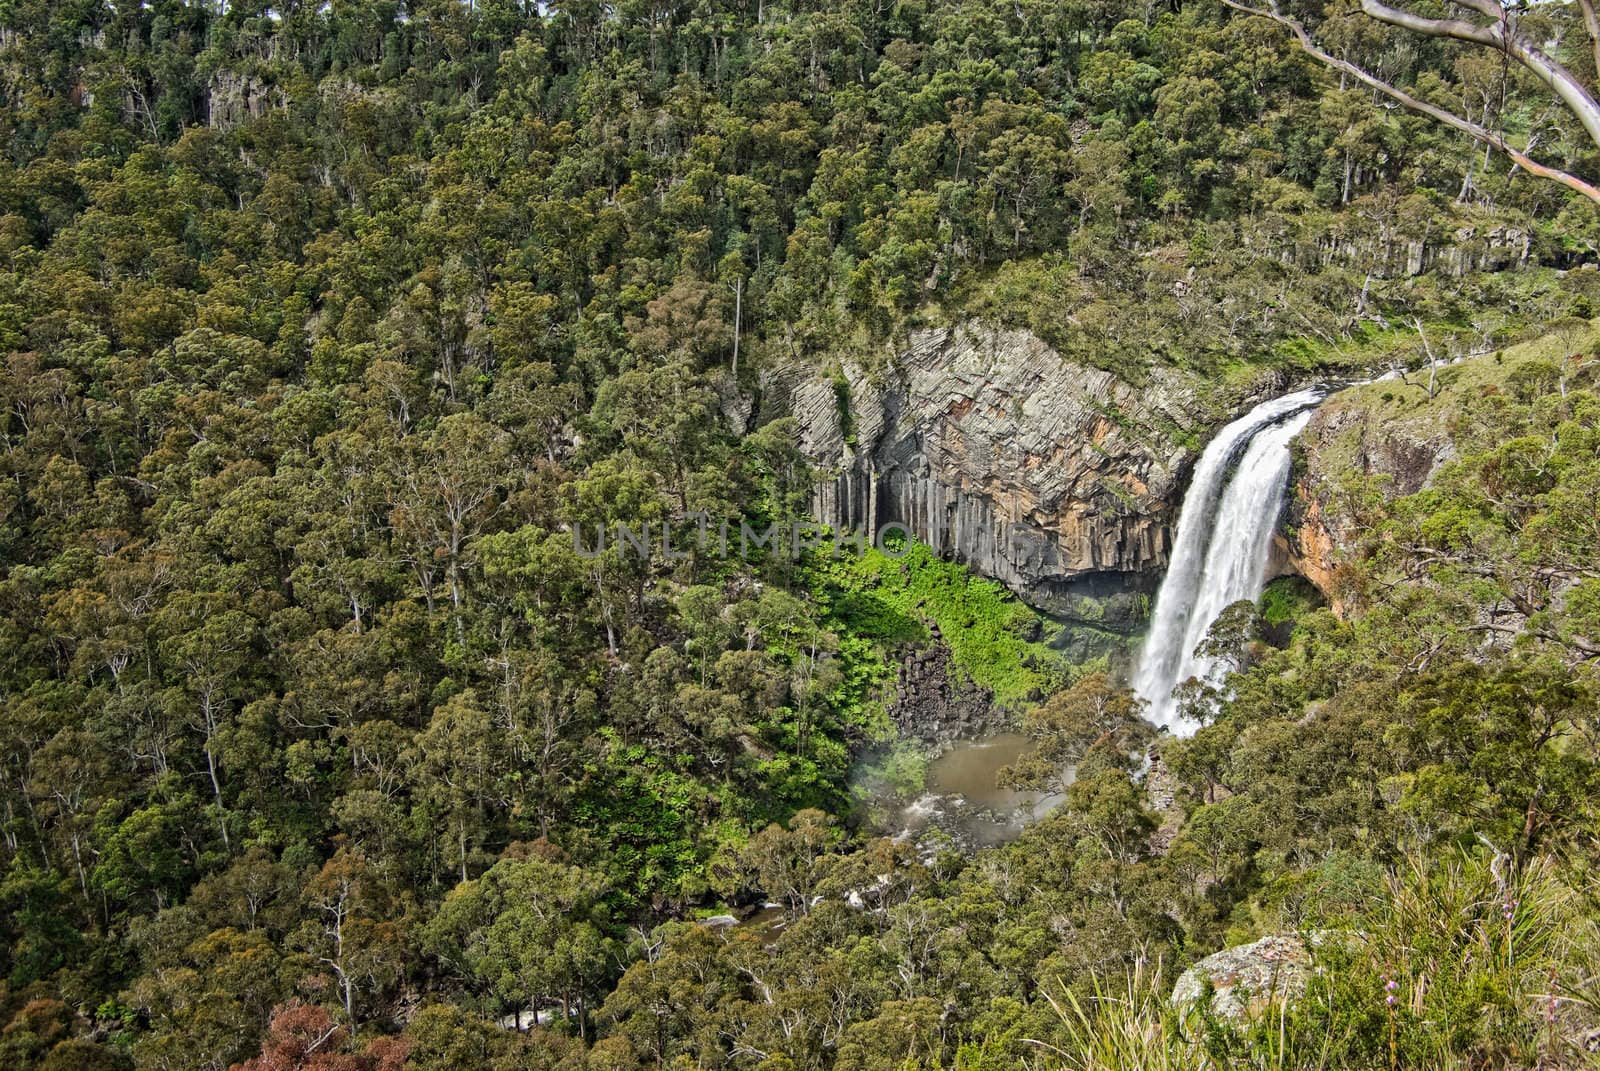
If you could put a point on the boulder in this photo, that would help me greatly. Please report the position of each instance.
(935, 703)
(1243, 980)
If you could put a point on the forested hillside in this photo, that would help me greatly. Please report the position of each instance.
(323, 747)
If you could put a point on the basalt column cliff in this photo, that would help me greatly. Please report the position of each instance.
(1060, 480)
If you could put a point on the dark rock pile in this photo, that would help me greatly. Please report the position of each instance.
(935, 703)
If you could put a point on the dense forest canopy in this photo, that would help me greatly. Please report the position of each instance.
(321, 745)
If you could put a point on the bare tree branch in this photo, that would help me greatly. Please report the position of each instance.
(1591, 25)
(1503, 36)
(1459, 29)
(1522, 52)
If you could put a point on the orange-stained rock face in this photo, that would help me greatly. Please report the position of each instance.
(1347, 437)
(1314, 553)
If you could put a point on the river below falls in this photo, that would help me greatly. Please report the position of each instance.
(962, 798)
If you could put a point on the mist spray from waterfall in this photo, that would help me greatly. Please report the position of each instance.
(1223, 543)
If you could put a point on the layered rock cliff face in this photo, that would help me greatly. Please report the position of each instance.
(1469, 248)
(1060, 480)
(233, 98)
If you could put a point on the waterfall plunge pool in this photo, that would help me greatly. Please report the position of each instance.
(961, 797)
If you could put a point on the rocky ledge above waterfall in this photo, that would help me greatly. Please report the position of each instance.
(1365, 431)
(1060, 480)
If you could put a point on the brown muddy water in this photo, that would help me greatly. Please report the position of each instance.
(963, 799)
(962, 805)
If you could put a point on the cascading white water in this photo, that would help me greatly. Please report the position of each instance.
(1220, 553)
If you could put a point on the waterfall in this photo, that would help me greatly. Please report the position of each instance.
(1220, 553)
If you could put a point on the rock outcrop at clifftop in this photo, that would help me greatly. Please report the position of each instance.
(1482, 246)
(1355, 432)
(1060, 480)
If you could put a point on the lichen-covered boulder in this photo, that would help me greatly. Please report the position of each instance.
(1245, 979)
